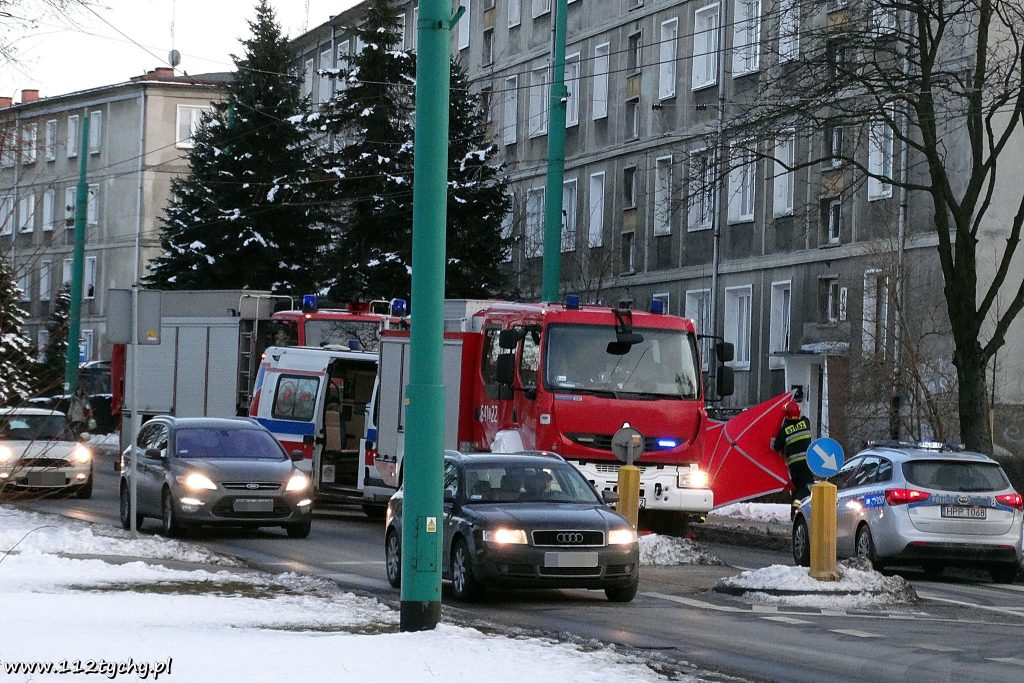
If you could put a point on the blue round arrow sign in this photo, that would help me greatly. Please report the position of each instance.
(824, 457)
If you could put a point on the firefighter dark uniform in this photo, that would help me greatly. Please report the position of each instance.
(791, 442)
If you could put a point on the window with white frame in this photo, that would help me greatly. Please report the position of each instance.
(487, 47)
(50, 140)
(44, 280)
(49, 197)
(463, 28)
(28, 143)
(95, 132)
(85, 345)
(7, 216)
(880, 147)
(835, 148)
(595, 228)
(705, 47)
(42, 341)
(360, 45)
(779, 326)
(92, 206)
(515, 9)
(72, 138)
(9, 149)
(667, 59)
(663, 195)
(569, 215)
(835, 221)
(190, 117)
(534, 222)
(741, 184)
(341, 59)
(628, 252)
(403, 42)
(510, 111)
(632, 119)
(89, 282)
(25, 284)
(701, 191)
(27, 212)
(506, 230)
(414, 33)
(325, 81)
(828, 299)
(65, 272)
(599, 95)
(884, 18)
(698, 308)
(538, 122)
(747, 36)
(789, 30)
(69, 206)
(572, 83)
(784, 181)
(629, 187)
(307, 78)
(540, 7)
(737, 324)
(634, 52)
(875, 313)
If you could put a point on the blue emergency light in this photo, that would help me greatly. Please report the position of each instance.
(309, 304)
(399, 307)
(657, 307)
(572, 301)
(667, 443)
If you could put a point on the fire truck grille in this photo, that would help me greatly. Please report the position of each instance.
(614, 469)
(603, 442)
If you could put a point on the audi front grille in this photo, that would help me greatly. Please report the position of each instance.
(569, 538)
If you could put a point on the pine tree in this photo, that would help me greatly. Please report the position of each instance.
(49, 374)
(371, 120)
(16, 361)
(246, 216)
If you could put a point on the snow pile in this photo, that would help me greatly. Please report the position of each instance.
(755, 512)
(858, 585)
(670, 551)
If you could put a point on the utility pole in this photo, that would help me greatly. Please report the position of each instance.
(77, 264)
(422, 528)
(720, 163)
(556, 155)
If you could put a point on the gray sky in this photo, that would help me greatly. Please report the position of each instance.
(79, 50)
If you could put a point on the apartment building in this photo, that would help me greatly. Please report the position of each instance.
(803, 277)
(139, 133)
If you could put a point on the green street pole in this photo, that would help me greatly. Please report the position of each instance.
(77, 264)
(422, 521)
(556, 157)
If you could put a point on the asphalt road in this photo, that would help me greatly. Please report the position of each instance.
(964, 628)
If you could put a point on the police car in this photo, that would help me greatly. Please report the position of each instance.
(926, 505)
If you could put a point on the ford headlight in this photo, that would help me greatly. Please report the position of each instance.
(505, 536)
(693, 478)
(298, 482)
(197, 481)
(621, 537)
(6, 454)
(81, 455)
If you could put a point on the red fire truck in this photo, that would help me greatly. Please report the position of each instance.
(564, 378)
(356, 326)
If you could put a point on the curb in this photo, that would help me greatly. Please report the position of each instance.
(740, 590)
(753, 537)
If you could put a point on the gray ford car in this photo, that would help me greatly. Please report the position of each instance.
(214, 472)
(526, 520)
(923, 505)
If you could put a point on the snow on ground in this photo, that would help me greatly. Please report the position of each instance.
(670, 550)
(233, 624)
(858, 586)
(756, 512)
(108, 440)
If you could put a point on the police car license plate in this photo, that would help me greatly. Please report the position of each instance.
(46, 479)
(556, 559)
(254, 505)
(963, 512)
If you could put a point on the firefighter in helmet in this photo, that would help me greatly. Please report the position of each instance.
(791, 442)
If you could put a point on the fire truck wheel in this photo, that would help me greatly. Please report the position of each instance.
(669, 523)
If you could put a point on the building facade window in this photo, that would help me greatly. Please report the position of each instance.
(50, 140)
(25, 284)
(829, 300)
(28, 143)
(95, 132)
(569, 215)
(7, 216)
(667, 59)
(44, 280)
(880, 147)
(515, 9)
(663, 196)
(27, 212)
(634, 52)
(307, 78)
(534, 222)
(742, 185)
(65, 272)
(510, 111)
(463, 28)
(540, 7)
(737, 324)
(89, 281)
(705, 47)
(190, 117)
(779, 326)
(325, 81)
(789, 30)
(702, 184)
(48, 200)
(595, 228)
(698, 308)
(69, 206)
(835, 220)
(599, 94)
(92, 206)
(632, 119)
(538, 122)
(629, 187)
(572, 83)
(747, 37)
(875, 313)
(628, 253)
(72, 138)
(783, 190)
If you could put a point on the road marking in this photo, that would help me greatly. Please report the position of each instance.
(935, 648)
(787, 620)
(357, 562)
(1007, 660)
(998, 610)
(855, 633)
(693, 603)
(771, 609)
(1007, 587)
(833, 613)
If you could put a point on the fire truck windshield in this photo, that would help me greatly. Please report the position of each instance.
(322, 332)
(663, 365)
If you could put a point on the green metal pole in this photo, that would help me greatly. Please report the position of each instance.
(422, 521)
(556, 157)
(77, 264)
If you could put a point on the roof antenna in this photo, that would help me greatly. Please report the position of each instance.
(305, 24)
(173, 57)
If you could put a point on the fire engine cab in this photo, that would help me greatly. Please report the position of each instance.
(357, 326)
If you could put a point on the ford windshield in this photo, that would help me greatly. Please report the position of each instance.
(663, 365)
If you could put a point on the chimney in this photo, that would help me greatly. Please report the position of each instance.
(6, 102)
(163, 72)
(29, 96)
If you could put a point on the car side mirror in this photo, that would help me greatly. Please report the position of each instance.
(505, 368)
(609, 497)
(297, 456)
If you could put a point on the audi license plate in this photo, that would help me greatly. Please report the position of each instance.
(46, 479)
(254, 505)
(557, 559)
(964, 512)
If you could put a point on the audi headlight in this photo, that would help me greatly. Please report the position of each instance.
(81, 454)
(6, 454)
(197, 481)
(298, 482)
(505, 536)
(693, 478)
(621, 537)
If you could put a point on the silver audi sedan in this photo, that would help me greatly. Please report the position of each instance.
(924, 505)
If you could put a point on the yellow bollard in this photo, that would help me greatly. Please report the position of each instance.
(823, 531)
(629, 493)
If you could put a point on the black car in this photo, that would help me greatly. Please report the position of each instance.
(524, 520)
(214, 471)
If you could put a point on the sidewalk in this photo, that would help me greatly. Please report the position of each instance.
(752, 533)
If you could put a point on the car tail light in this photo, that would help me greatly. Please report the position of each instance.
(904, 496)
(1013, 500)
